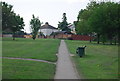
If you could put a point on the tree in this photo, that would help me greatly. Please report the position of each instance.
(64, 24)
(100, 18)
(6, 13)
(35, 24)
(82, 25)
(104, 21)
(16, 24)
(10, 20)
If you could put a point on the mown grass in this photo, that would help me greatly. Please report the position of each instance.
(100, 61)
(44, 49)
(21, 69)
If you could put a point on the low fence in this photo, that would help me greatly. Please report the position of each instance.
(6, 35)
(71, 37)
(56, 36)
(10, 35)
(59, 36)
(82, 37)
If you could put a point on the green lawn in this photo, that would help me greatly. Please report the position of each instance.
(100, 61)
(44, 49)
(21, 69)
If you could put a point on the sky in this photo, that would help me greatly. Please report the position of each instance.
(50, 11)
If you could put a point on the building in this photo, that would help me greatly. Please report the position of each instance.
(47, 29)
(72, 27)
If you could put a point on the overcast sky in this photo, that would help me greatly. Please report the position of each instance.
(47, 10)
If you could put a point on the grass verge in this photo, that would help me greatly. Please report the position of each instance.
(100, 61)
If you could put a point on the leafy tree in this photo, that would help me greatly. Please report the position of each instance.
(104, 21)
(16, 24)
(100, 18)
(10, 20)
(82, 26)
(96, 21)
(6, 13)
(35, 24)
(64, 24)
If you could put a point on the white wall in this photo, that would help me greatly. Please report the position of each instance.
(47, 32)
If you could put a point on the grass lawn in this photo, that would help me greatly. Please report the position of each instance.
(44, 49)
(20, 69)
(100, 61)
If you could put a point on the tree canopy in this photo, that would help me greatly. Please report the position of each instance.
(64, 24)
(11, 23)
(35, 25)
(100, 18)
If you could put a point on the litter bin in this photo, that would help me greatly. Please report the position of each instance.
(81, 51)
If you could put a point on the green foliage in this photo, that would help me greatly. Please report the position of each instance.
(10, 21)
(6, 11)
(35, 25)
(82, 27)
(64, 24)
(100, 18)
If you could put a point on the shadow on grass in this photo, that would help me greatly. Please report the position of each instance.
(84, 57)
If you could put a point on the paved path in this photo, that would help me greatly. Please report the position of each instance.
(29, 59)
(65, 68)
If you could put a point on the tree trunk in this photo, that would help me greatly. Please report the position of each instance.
(103, 39)
(13, 36)
(33, 38)
(115, 40)
(103, 42)
(90, 38)
(118, 38)
(110, 40)
(98, 39)
(54, 36)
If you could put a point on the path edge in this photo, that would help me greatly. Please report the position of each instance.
(56, 61)
(74, 65)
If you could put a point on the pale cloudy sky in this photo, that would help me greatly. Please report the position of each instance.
(47, 10)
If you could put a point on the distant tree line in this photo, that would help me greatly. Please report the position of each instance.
(11, 22)
(101, 19)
